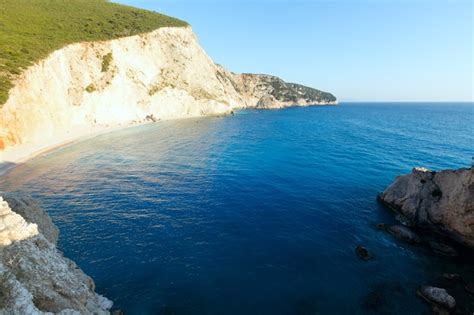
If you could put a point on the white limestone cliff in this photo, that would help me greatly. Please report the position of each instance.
(165, 74)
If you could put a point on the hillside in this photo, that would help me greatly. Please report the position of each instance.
(31, 29)
(99, 78)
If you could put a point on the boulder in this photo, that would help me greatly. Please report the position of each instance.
(437, 296)
(442, 202)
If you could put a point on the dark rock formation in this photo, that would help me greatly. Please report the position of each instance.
(363, 253)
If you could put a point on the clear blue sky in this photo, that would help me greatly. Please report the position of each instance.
(374, 50)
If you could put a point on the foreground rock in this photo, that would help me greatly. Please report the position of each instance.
(34, 276)
(437, 296)
(33, 213)
(442, 202)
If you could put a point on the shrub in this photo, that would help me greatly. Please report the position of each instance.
(91, 88)
(106, 61)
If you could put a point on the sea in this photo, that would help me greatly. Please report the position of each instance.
(254, 213)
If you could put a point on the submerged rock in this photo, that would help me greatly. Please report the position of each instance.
(404, 233)
(437, 296)
(443, 249)
(442, 202)
(381, 226)
(363, 253)
(452, 276)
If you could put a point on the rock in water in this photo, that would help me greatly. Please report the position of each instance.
(443, 249)
(404, 233)
(363, 253)
(451, 276)
(442, 202)
(437, 296)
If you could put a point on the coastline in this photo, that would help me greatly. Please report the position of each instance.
(22, 153)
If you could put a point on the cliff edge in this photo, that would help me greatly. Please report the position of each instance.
(442, 202)
(35, 278)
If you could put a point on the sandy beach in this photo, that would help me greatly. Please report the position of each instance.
(19, 154)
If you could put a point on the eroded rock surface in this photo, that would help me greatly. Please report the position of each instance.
(32, 213)
(442, 202)
(35, 278)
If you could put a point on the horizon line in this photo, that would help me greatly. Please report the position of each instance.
(402, 101)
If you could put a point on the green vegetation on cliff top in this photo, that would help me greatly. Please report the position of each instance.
(31, 29)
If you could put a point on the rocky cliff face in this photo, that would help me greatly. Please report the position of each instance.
(164, 74)
(269, 92)
(35, 278)
(439, 201)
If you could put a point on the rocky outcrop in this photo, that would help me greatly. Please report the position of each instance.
(33, 213)
(269, 92)
(35, 278)
(442, 202)
(164, 74)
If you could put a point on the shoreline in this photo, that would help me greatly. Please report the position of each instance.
(22, 153)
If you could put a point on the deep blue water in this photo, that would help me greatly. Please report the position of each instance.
(256, 213)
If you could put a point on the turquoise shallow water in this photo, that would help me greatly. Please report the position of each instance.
(256, 213)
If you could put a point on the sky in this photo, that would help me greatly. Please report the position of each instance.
(359, 50)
